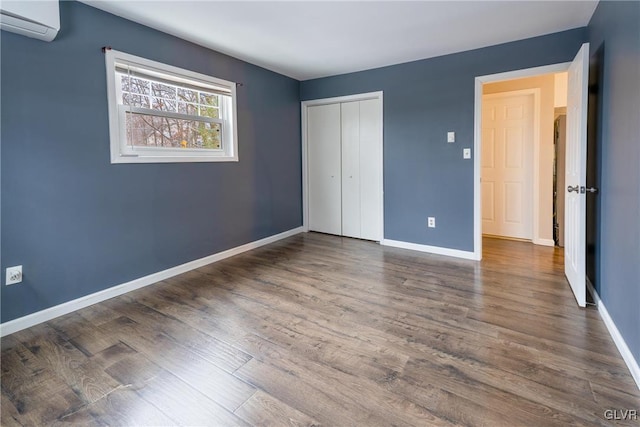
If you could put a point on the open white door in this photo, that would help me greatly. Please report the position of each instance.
(576, 175)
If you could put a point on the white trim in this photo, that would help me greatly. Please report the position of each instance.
(537, 143)
(622, 346)
(535, 164)
(85, 301)
(305, 166)
(346, 98)
(477, 167)
(544, 242)
(381, 183)
(477, 136)
(525, 72)
(430, 249)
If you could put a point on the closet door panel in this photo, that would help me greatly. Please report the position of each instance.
(371, 169)
(351, 169)
(323, 136)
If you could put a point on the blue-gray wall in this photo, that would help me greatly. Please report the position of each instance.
(423, 175)
(615, 27)
(79, 224)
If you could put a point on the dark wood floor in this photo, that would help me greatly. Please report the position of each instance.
(322, 330)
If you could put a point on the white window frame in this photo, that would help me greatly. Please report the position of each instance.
(121, 152)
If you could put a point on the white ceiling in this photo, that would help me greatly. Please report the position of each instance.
(309, 39)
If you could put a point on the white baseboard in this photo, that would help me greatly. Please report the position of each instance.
(623, 348)
(33, 319)
(544, 242)
(430, 249)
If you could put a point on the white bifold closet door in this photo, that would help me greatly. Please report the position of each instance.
(323, 136)
(351, 169)
(352, 206)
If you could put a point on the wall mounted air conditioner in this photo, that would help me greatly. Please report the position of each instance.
(38, 19)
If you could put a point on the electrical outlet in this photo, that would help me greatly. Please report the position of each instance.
(14, 275)
(431, 222)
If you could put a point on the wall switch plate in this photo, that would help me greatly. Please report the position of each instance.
(451, 137)
(466, 153)
(431, 222)
(14, 275)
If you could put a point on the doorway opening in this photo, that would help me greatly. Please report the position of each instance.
(522, 157)
(520, 84)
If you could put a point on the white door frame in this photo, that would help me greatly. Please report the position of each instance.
(305, 165)
(477, 147)
(535, 162)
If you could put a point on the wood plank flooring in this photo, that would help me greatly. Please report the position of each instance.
(323, 330)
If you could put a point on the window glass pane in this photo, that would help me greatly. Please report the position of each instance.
(132, 84)
(208, 135)
(163, 91)
(135, 100)
(163, 104)
(212, 112)
(139, 86)
(208, 99)
(184, 108)
(150, 131)
(187, 95)
(125, 82)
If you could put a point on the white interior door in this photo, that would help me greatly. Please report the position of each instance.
(371, 169)
(576, 175)
(324, 170)
(507, 165)
(351, 220)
